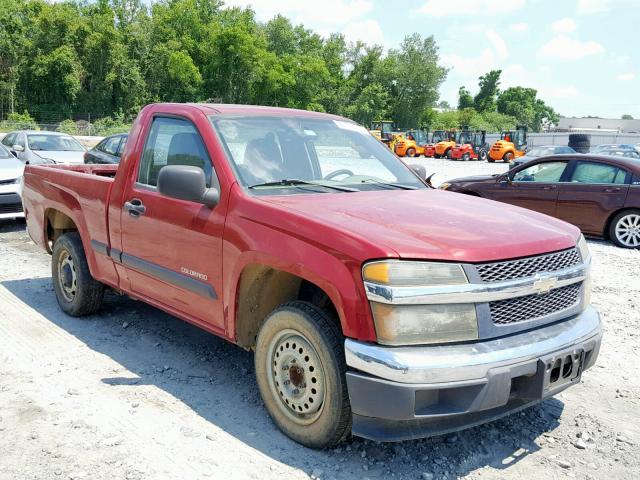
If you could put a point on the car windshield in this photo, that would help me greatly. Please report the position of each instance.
(294, 154)
(53, 143)
(620, 153)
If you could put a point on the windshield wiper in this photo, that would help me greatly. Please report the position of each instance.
(294, 182)
(387, 184)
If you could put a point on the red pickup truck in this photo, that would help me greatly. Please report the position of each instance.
(375, 304)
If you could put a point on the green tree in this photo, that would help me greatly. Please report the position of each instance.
(522, 104)
(489, 83)
(465, 100)
(370, 105)
(626, 116)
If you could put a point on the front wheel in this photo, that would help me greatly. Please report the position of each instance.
(411, 152)
(482, 155)
(300, 370)
(449, 154)
(77, 292)
(466, 157)
(625, 229)
(508, 157)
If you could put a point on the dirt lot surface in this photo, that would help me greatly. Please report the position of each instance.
(133, 393)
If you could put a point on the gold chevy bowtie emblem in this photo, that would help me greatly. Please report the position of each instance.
(544, 285)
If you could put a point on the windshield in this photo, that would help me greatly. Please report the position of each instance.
(319, 154)
(438, 136)
(464, 137)
(53, 143)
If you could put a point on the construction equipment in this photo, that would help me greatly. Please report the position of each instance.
(443, 147)
(383, 131)
(471, 146)
(411, 143)
(512, 144)
(438, 136)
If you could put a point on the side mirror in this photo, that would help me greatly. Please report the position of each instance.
(185, 182)
(18, 148)
(506, 178)
(419, 170)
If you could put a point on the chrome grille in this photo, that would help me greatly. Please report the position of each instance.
(530, 307)
(528, 267)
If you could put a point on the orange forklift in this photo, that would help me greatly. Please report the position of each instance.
(512, 144)
(438, 136)
(471, 146)
(444, 146)
(411, 143)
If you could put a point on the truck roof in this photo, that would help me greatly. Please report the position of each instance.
(233, 109)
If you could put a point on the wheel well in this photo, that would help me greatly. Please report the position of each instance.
(262, 289)
(56, 224)
(605, 233)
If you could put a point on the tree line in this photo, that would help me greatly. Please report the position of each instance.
(110, 57)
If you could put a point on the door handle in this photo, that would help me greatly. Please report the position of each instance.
(612, 189)
(135, 207)
(550, 187)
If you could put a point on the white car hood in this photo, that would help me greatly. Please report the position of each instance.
(10, 168)
(61, 156)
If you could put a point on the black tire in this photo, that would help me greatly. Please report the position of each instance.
(482, 155)
(411, 152)
(489, 159)
(508, 157)
(321, 341)
(618, 222)
(449, 154)
(466, 157)
(77, 292)
(435, 155)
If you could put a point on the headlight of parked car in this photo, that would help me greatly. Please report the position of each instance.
(421, 323)
(583, 248)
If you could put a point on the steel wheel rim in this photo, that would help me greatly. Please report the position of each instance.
(67, 277)
(628, 230)
(296, 377)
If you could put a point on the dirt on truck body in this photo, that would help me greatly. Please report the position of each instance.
(271, 228)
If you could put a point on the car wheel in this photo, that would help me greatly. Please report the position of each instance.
(508, 157)
(411, 152)
(300, 371)
(466, 157)
(77, 292)
(624, 229)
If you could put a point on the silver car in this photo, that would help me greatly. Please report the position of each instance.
(34, 147)
(11, 170)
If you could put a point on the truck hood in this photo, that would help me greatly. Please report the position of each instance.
(62, 157)
(432, 224)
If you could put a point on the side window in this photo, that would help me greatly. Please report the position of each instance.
(589, 172)
(123, 143)
(172, 141)
(20, 140)
(545, 172)
(111, 145)
(100, 146)
(8, 139)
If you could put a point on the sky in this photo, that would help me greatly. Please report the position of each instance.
(581, 55)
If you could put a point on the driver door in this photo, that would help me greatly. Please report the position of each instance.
(534, 187)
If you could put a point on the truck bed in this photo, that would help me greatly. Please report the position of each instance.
(79, 192)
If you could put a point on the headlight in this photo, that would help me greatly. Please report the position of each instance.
(583, 248)
(401, 273)
(424, 323)
(445, 186)
(421, 324)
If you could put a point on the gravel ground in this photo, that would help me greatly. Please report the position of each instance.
(133, 393)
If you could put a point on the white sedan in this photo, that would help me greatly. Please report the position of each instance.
(11, 170)
(36, 146)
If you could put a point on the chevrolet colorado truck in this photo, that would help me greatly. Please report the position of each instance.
(374, 304)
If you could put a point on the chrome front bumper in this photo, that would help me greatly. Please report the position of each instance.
(399, 393)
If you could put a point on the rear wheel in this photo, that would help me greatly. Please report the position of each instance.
(466, 156)
(508, 157)
(449, 154)
(482, 155)
(490, 159)
(411, 152)
(624, 229)
(77, 292)
(300, 366)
